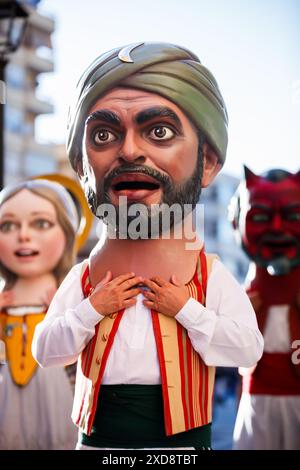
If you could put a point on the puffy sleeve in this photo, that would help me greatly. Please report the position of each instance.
(68, 325)
(225, 331)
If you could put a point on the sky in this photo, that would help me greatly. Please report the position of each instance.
(251, 46)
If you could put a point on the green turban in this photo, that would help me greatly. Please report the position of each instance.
(165, 69)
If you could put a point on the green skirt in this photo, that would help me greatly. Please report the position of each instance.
(132, 417)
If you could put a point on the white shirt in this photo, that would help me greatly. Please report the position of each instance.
(277, 334)
(224, 333)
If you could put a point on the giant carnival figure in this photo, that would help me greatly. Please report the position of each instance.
(40, 230)
(38, 222)
(148, 318)
(266, 216)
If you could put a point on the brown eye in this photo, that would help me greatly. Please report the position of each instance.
(161, 133)
(42, 224)
(103, 136)
(8, 226)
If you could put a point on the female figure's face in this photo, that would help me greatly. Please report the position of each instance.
(31, 240)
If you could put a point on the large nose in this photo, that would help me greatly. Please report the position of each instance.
(131, 150)
(277, 222)
(24, 232)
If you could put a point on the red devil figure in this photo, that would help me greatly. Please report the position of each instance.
(265, 214)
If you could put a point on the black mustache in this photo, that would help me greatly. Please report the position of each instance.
(141, 169)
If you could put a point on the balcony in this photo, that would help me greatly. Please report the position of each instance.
(20, 143)
(27, 100)
(41, 22)
(35, 61)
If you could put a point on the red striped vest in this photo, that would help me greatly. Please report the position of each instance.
(187, 383)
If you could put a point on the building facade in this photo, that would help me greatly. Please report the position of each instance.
(24, 156)
(218, 233)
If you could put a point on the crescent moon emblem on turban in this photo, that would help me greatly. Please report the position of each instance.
(124, 54)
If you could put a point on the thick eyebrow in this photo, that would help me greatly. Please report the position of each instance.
(261, 206)
(157, 112)
(106, 116)
(292, 205)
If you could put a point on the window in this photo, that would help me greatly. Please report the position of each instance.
(14, 120)
(15, 76)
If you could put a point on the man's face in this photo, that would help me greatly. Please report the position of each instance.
(142, 146)
(270, 226)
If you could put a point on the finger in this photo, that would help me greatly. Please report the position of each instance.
(159, 281)
(152, 285)
(149, 295)
(153, 302)
(131, 293)
(175, 281)
(149, 304)
(129, 303)
(123, 277)
(131, 282)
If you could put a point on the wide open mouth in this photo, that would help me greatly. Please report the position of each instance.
(135, 185)
(134, 182)
(286, 246)
(280, 243)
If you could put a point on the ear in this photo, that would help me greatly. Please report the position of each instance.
(234, 224)
(211, 165)
(250, 177)
(233, 210)
(79, 169)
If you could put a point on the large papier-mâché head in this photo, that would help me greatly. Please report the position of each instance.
(161, 68)
(265, 212)
(64, 221)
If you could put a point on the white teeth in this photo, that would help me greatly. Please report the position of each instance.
(25, 252)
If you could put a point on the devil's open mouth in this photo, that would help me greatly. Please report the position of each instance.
(285, 246)
(280, 244)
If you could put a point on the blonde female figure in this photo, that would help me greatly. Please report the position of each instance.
(38, 222)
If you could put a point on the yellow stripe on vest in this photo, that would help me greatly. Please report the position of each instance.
(18, 334)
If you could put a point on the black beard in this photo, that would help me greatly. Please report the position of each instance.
(184, 194)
